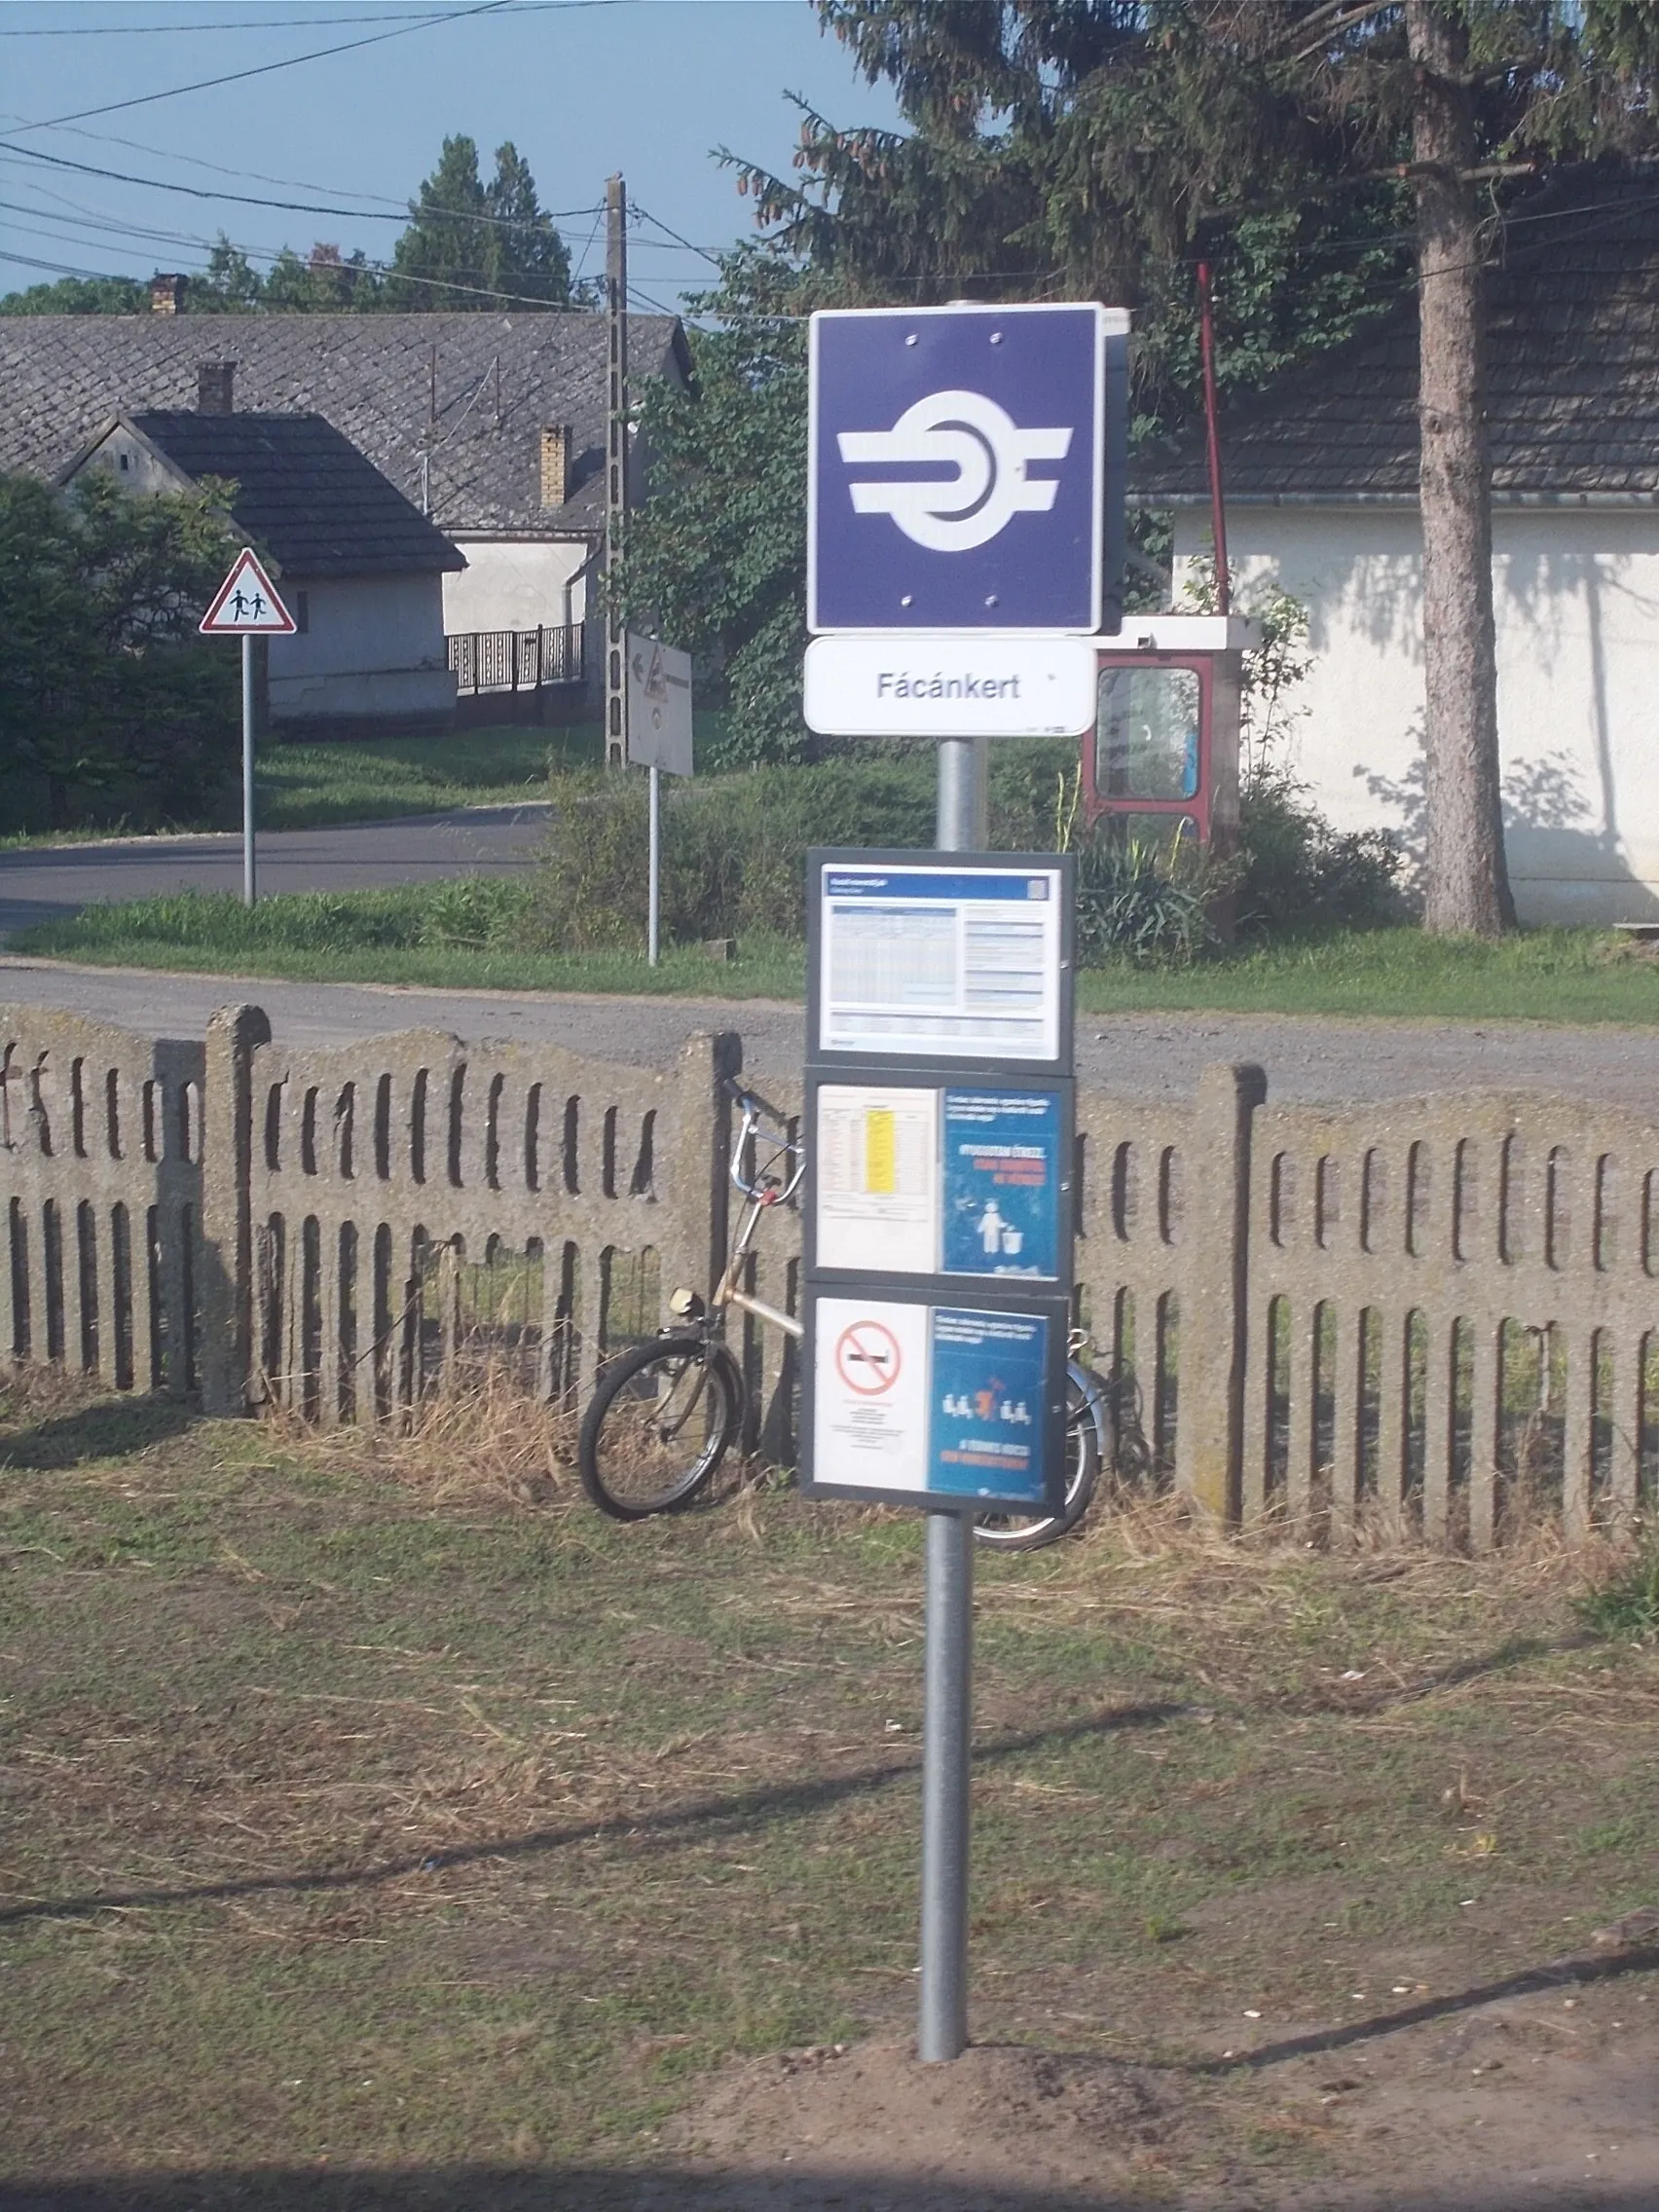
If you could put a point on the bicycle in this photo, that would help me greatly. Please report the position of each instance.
(665, 1413)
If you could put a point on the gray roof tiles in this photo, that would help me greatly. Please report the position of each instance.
(1574, 395)
(496, 380)
(306, 492)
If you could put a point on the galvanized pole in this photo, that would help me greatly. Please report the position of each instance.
(947, 1710)
(615, 467)
(247, 770)
(655, 932)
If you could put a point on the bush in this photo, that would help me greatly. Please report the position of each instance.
(733, 847)
(111, 707)
(1297, 872)
(1142, 899)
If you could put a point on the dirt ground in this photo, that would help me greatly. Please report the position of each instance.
(379, 1829)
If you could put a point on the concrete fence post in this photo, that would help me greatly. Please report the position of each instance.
(1215, 1288)
(225, 1363)
(691, 1247)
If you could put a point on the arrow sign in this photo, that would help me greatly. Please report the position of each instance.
(247, 605)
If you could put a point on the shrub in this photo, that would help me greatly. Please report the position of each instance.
(1143, 900)
(1297, 872)
(733, 847)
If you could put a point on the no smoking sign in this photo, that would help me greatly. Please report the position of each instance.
(868, 1359)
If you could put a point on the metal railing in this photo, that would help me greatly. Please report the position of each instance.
(517, 660)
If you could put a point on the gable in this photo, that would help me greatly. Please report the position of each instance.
(449, 408)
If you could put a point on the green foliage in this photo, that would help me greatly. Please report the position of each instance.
(1143, 900)
(717, 559)
(1625, 1610)
(109, 701)
(1300, 873)
(733, 849)
(469, 245)
(80, 295)
(475, 245)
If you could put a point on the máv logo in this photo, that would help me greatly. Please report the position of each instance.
(989, 453)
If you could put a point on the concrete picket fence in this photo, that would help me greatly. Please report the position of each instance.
(1408, 1317)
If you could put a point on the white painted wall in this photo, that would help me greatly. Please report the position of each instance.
(373, 646)
(508, 585)
(1577, 606)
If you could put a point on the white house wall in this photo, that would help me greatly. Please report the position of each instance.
(509, 585)
(372, 645)
(1576, 597)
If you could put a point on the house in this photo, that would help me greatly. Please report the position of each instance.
(493, 426)
(361, 570)
(1321, 481)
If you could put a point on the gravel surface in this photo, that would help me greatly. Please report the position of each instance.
(1139, 1054)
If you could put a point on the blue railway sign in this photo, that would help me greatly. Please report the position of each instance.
(966, 469)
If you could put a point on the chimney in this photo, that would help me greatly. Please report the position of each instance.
(166, 294)
(555, 463)
(215, 388)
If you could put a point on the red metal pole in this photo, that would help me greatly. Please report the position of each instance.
(1218, 506)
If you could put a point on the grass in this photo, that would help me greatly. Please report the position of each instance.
(432, 935)
(311, 787)
(384, 1806)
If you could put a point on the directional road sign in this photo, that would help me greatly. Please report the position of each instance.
(959, 468)
(659, 706)
(246, 603)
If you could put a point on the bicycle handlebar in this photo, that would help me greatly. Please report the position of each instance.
(763, 1187)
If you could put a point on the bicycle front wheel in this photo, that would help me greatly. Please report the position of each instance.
(657, 1427)
(1021, 1532)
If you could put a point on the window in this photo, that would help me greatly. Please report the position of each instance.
(1147, 736)
(125, 463)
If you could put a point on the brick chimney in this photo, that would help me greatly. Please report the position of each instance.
(555, 463)
(166, 294)
(215, 388)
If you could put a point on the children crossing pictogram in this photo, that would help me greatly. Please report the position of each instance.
(246, 603)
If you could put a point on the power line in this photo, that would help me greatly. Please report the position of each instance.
(256, 200)
(294, 61)
(270, 23)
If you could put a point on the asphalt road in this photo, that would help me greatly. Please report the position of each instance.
(1139, 1055)
(49, 880)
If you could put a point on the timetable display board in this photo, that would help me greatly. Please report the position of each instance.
(918, 1176)
(966, 958)
(909, 1399)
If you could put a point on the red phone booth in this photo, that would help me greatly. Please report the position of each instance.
(1163, 757)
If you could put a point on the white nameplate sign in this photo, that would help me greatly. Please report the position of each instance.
(924, 686)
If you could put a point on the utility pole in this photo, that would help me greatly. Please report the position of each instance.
(616, 469)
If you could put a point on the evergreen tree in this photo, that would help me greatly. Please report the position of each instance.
(1084, 146)
(472, 247)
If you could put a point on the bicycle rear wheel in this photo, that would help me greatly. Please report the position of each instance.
(1021, 1532)
(657, 1427)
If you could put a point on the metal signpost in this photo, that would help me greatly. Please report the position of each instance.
(659, 738)
(246, 605)
(964, 534)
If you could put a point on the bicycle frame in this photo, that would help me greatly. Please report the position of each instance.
(761, 1190)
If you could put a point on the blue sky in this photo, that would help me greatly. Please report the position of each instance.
(583, 87)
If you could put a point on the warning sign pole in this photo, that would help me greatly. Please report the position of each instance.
(947, 1662)
(246, 605)
(248, 887)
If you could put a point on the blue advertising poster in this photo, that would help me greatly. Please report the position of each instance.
(986, 1425)
(1001, 1183)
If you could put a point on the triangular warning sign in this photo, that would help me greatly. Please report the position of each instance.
(247, 605)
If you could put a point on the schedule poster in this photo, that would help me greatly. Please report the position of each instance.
(1002, 1197)
(962, 962)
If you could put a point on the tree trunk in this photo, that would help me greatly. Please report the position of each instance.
(1466, 881)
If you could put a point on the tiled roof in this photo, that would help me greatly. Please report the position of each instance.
(472, 391)
(305, 491)
(1573, 394)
